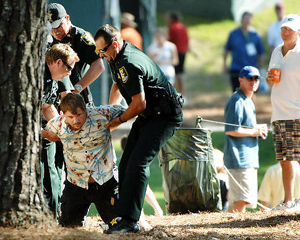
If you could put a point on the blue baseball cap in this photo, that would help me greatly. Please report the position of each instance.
(249, 72)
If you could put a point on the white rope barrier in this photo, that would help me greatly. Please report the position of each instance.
(224, 123)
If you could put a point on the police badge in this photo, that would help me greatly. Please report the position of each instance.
(88, 39)
(124, 74)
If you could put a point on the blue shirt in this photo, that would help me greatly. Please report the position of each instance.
(244, 49)
(240, 152)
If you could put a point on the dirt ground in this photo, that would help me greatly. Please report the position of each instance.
(204, 225)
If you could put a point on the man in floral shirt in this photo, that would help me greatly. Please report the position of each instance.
(90, 158)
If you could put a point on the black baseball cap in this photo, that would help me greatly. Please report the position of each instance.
(56, 14)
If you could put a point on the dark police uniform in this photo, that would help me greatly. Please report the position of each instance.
(52, 154)
(83, 44)
(134, 72)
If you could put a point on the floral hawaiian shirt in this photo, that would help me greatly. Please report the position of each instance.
(89, 151)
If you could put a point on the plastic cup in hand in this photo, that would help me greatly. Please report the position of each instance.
(276, 74)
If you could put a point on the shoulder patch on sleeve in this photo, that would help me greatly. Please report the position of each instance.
(88, 39)
(124, 74)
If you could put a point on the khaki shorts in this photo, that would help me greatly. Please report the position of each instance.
(247, 180)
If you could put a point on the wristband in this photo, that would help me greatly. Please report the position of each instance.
(121, 120)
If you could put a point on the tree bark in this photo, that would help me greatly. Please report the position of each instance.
(22, 50)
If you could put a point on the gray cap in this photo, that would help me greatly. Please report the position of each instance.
(56, 14)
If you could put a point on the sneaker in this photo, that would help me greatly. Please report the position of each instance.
(144, 225)
(121, 225)
(295, 207)
(104, 226)
(282, 206)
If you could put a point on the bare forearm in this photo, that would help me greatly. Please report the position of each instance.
(63, 94)
(137, 105)
(259, 131)
(133, 110)
(115, 95)
(49, 111)
(50, 135)
(97, 67)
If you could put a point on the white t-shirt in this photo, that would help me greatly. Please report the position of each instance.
(274, 34)
(164, 53)
(285, 95)
(271, 187)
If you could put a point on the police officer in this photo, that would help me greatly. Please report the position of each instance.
(87, 69)
(60, 60)
(156, 104)
(90, 65)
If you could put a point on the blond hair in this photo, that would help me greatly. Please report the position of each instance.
(61, 51)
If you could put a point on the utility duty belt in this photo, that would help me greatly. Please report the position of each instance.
(162, 102)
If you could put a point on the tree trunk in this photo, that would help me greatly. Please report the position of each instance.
(22, 50)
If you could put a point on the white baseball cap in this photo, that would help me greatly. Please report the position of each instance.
(292, 21)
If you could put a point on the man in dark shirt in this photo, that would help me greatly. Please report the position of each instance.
(90, 65)
(153, 100)
(60, 60)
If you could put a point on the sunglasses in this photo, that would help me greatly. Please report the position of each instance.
(103, 50)
(255, 78)
(67, 65)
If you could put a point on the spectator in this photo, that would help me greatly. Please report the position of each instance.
(90, 159)
(285, 117)
(241, 143)
(222, 176)
(90, 65)
(152, 99)
(129, 32)
(164, 53)
(274, 32)
(60, 60)
(271, 191)
(246, 49)
(178, 35)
